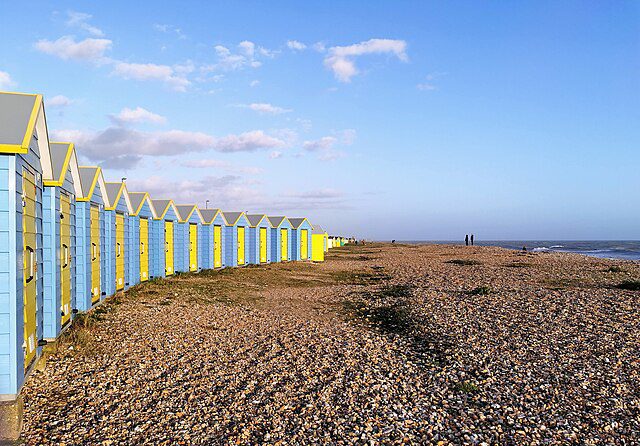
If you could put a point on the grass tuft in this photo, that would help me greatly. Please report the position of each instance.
(631, 285)
(480, 291)
(467, 387)
(464, 262)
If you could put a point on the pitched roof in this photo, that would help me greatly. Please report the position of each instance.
(161, 207)
(276, 221)
(113, 192)
(88, 179)
(317, 229)
(60, 157)
(18, 115)
(185, 211)
(232, 217)
(255, 219)
(296, 222)
(208, 215)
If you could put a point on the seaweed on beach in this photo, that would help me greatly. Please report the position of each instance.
(629, 285)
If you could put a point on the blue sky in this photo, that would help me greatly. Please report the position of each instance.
(405, 120)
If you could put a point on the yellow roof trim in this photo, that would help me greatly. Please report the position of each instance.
(93, 184)
(137, 211)
(166, 209)
(24, 147)
(115, 202)
(212, 220)
(60, 181)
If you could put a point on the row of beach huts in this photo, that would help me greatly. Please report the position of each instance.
(69, 239)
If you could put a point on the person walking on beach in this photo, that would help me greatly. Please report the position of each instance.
(466, 239)
(471, 239)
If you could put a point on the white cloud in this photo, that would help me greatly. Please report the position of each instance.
(79, 20)
(265, 108)
(428, 85)
(5, 80)
(295, 45)
(318, 194)
(246, 57)
(59, 101)
(137, 115)
(205, 163)
(341, 59)
(275, 155)
(171, 76)
(324, 143)
(170, 29)
(254, 83)
(319, 47)
(125, 146)
(66, 48)
(325, 147)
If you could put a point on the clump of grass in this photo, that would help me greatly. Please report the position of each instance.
(518, 265)
(631, 285)
(480, 291)
(392, 318)
(398, 291)
(467, 387)
(464, 262)
(614, 269)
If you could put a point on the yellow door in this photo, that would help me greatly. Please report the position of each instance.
(241, 245)
(65, 258)
(317, 247)
(119, 252)
(304, 245)
(144, 249)
(168, 248)
(193, 247)
(263, 245)
(95, 254)
(284, 245)
(217, 246)
(29, 266)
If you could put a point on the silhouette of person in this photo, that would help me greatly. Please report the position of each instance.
(471, 239)
(466, 239)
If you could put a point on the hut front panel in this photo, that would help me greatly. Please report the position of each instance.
(193, 247)
(144, 249)
(168, 252)
(120, 252)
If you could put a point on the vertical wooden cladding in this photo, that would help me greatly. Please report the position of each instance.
(241, 245)
(263, 245)
(168, 248)
(217, 246)
(30, 266)
(144, 249)
(120, 252)
(193, 247)
(65, 258)
(95, 254)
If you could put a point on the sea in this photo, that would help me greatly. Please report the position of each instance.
(607, 249)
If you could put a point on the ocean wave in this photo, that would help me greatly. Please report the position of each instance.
(556, 247)
(540, 249)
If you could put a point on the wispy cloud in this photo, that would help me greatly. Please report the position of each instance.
(80, 20)
(66, 48)
(254, 83)
(325, 147)
(265, 108)
(428, 84)
(59, 101)
(275, 154)
(137, 115)
(170, 29)
(173, 76)
(247, 55)
(5, 80)
(295, 45)
(341, 59)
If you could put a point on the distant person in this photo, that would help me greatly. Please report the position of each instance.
(393, 242)
(524, 249)
(466, 240)
(356, 242)
(471, 239)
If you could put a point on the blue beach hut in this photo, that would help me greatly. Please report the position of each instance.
(212, 252)
(280, 239)
(59, 238)
(25, 162)
(300, 239)
(117, 236)
(187, 237)
(236, 238)
(259, 238)
(144, 248)
(166, 227)
(90, 238)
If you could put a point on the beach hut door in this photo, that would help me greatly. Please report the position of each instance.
(144, 249)
(284, 245)
(241, 245)
(30, 266)
(304, 244)
(168, 248)
(193, 247)
(217, 246)
(95, 254)
(65, 258)
(263, 245)
(120, 252)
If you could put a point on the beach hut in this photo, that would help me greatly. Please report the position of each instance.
(187, 237)
(90, 240)
(117, 235)
(145, 249)
(318, 243)
(236, 238)
(300, 239)
(212, 253)
(25, 162)
(59, 238)
(280, 239)
(259, 238)
(165, 227)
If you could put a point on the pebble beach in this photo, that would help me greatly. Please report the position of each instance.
(381, 344)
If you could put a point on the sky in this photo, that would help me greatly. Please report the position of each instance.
(407, 120)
